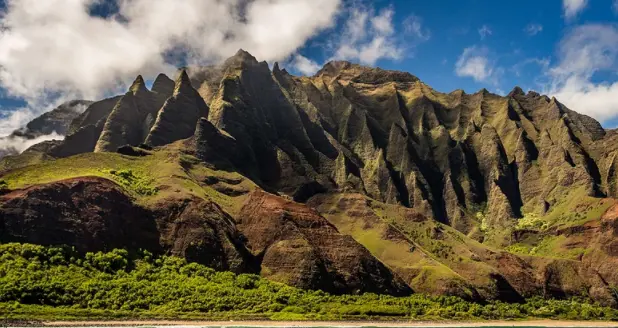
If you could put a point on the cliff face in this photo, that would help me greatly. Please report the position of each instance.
(367, 180)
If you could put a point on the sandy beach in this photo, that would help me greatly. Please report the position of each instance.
(530, 323)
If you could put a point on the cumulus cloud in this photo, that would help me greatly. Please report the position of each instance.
(368, 37)
(484, 31)
(56, 49)
(584, 52)
(533, 29)
(572, 8)
(475, 62)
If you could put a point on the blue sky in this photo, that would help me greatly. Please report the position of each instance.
(57, 50)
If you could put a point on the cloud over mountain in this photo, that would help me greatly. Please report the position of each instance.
(59, 49)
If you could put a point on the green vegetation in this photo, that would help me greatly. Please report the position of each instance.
(548, 246)
(39, 282)
(574, 208)
(531, 221)
(129, 180)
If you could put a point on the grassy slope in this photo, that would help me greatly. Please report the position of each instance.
(165, 173)
(432, 257)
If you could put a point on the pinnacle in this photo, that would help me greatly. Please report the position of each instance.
(138, 85)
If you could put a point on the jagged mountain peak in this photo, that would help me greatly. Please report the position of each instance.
(138, 85)
(241, 58)
(163, 84)
(183, 82)
(516, 91)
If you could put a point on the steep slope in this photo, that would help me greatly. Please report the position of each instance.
(455, 157)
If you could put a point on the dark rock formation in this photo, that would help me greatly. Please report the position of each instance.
(56, 121)
(89, 213)
(297, 246)
(94, 214)
(126, 123)
(178, 117)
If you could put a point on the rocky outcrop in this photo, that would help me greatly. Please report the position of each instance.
(445, 181)
(97, 111)
(179, 115)
(297, 246)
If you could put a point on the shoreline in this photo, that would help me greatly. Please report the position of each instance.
(266, 323)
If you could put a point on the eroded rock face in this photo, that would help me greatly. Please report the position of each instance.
(127, 122)
(89, 213)
(299, 247)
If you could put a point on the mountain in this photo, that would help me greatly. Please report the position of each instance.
(356, 179)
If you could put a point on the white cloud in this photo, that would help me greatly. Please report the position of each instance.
(586, 51)
(368, 36)
(474, 62)
(615, 6)
(15, 145)
(572, 8)
(413, 26)
(305, 65)
(533, 29)
(54, 50)
(484, 31)
(543, 63)
(12, 120)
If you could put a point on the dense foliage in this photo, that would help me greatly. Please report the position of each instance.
(51, 282)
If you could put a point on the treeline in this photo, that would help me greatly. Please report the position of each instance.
(39, 282)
